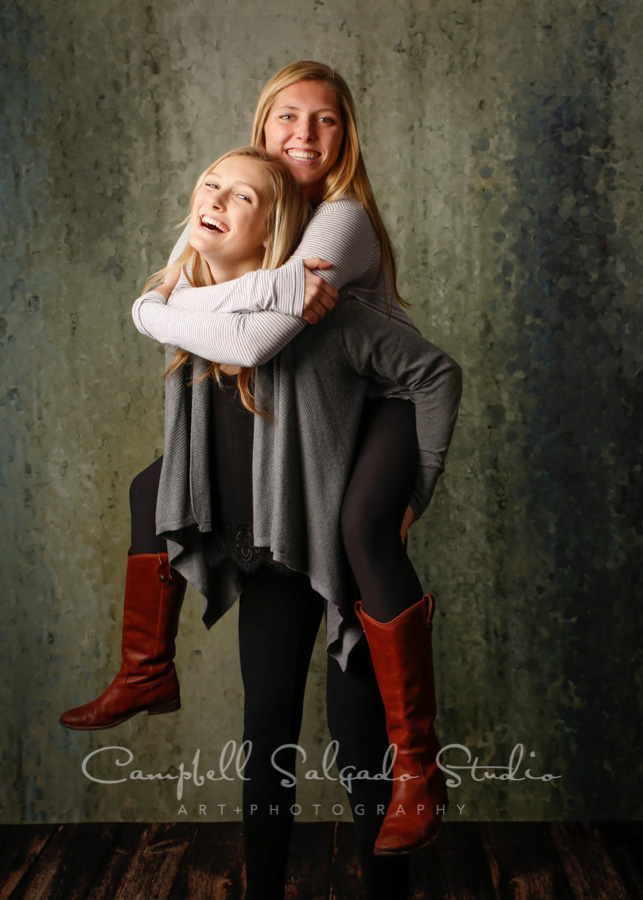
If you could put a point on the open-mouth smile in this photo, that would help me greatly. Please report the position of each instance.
(213, 225)
(302, 156)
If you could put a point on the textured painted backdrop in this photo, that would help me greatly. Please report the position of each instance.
(503, 140)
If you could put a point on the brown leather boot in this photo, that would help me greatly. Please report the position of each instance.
(403, 662)
(147, 678)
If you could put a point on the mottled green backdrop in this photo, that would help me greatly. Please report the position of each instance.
(504, 143)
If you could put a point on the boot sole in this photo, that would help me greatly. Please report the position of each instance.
(407, 851)
(152, 711)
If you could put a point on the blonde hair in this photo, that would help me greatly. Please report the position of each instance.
(286, 217)
(348, 175)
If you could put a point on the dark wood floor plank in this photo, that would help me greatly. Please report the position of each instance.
(66, 868)
(156, 863)
(523, 862)
(310, 861)
(586, 863)
(89, 848)
(212, 867)
(455, 867)
(127, 840)
(20, 847)
(623, 843)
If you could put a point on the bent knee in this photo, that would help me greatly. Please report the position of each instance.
(368, 531)
(145, 485)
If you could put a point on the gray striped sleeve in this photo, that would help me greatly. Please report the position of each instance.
(341, 233)
(238, 338)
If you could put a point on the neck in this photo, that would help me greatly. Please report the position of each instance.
(221, 272)
(314, 193)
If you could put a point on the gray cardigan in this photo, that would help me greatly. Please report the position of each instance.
(314, 390)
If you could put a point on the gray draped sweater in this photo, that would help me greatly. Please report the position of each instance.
(314, 391)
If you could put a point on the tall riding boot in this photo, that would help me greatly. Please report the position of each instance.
(403, 662)
(147, 678)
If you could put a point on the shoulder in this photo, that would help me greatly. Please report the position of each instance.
(345, 223)
(346, 211)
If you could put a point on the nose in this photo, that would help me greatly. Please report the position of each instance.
(218, 199)
(306, 128)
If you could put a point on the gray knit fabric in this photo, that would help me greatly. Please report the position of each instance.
(314, 390)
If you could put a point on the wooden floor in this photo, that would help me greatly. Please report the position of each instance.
(187, 861)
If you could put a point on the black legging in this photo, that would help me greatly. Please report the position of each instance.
(279, 616)
(375, 501)
(142, 503)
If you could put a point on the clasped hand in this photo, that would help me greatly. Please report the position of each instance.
(319, 295)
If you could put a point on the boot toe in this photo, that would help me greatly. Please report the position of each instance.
(73, 718)
(89, 717)
(395, 841)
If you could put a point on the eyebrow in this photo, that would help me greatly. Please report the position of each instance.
(236, 183)
(245, 185)
(298, 109)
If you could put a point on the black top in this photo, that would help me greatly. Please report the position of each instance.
(231, 434)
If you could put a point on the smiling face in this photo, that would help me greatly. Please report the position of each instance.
(304, 129)
(228, 221)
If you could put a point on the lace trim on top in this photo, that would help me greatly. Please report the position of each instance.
(235, 541)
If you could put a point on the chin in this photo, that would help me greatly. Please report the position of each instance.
(196, 241)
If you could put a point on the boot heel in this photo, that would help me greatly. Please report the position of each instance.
(165, 708)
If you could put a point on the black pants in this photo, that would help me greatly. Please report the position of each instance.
(279, 617)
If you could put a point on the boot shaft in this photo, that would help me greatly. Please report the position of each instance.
(402, 656)
(153, 598)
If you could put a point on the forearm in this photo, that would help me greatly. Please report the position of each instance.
(339, 233)
(275, 290)
(426, 480)
(436, 411)
(238, 338)
(380, 348)
(279, 290)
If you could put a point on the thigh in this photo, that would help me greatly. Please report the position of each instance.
(279, 617)
(385, 464)
(142, 496)
(377, 496)
(145, 485)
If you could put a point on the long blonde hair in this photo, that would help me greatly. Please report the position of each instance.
(286, 217)
(348, 175)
